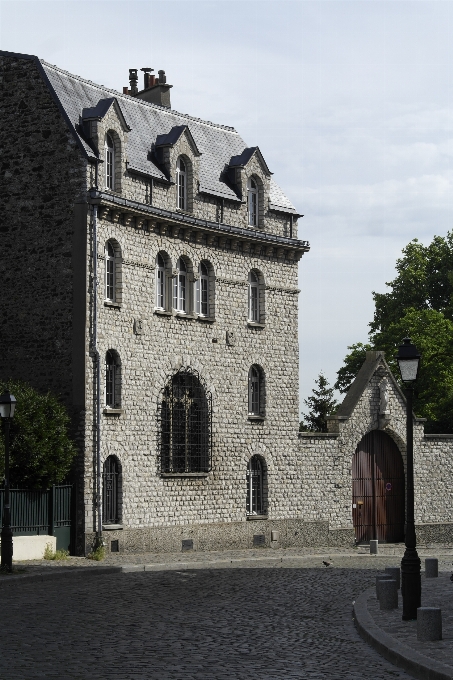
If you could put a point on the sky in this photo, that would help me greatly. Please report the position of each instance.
(348, 100)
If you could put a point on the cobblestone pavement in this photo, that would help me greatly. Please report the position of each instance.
(211, 624)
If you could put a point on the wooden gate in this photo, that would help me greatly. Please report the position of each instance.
(378, 489)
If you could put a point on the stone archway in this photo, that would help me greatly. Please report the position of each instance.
(378, 485)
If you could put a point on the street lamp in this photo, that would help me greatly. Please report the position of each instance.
(7, 408)
(408, 359)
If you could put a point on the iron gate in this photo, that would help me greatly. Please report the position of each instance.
(378, 489)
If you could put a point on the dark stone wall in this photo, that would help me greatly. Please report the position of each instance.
(43, 174)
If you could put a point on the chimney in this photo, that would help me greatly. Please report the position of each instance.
(155, 89)
(133, 79)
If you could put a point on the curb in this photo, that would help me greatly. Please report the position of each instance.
(52, 575)
(418, 665)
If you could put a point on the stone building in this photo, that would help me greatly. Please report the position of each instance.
(149, 277)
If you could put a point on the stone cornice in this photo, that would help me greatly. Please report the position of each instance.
(170, 223)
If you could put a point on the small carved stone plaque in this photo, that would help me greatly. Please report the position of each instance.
(230, 338)
(139, 327)
(259, 539)
(187, 544)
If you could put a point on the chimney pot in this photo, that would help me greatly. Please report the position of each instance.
(162, 77)
(125, 90)
(133, 79)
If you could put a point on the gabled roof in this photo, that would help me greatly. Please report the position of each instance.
(173, 136)
(216, 143)
(99, 111)
(241, 160)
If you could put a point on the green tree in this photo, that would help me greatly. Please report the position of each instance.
(321, 404)
(419, 304)
(41, 451)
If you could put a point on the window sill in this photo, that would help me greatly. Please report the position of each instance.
(112, 527)
(253, 417)
(108, 303)
(167, 475)
(205, 319)
(183, 315)
(162, 312)
(252, 518)
(255, 324)
(113, 411)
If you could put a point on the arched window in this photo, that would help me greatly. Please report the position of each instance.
(111, 491)
(202, 290)
(181, 184)
(255, 479)
(110, 277)
(254, 298)
(160, 282)
(180, 287)
(109, 163)
(255, 391)
(252, 202)
(185, 421)
(112, 380)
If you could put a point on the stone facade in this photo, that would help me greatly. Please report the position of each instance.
(58, 219)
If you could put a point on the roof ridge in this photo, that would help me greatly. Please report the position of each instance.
(117, 94)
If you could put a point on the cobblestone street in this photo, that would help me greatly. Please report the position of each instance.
(212, 624)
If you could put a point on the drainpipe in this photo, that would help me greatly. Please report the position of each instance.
(97, 366)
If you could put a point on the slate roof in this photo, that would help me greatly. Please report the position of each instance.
(216, 143)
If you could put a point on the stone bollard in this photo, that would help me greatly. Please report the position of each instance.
(388, 594)
(379, 579)
(431, 567)
(395, 573)
(374, 547)
(429, 624)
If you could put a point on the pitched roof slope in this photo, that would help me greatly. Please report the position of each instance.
(217, 143)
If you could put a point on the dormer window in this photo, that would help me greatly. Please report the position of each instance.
(109, 163)
(252, 202)
(181, 184)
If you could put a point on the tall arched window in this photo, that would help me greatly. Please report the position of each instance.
(109, 163)
(109, 272)
(254, 298)
(255, 391)
(255, 495)
(160, 282)
(181, 184)
(185, 421)
(110, 491)
(180, 287)
(112, 380)
(252, 202)
(202, 290)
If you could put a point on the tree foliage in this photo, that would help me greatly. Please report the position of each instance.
(419, 304)
(41, 451)
(321, 404)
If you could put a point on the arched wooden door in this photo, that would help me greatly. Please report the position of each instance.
(378, 489)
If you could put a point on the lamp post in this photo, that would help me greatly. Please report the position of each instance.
(408, 359)
(7, 408)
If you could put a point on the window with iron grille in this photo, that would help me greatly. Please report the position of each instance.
(255, 484)
(109, 163)
(112, 380)
(256, 391)
(181, 183)
(110, 491)
(185, 414)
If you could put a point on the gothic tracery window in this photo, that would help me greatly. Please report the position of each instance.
(185, 421)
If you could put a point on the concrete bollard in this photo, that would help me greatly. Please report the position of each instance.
(395, 573)
(379, 579)
(388, 594)
(429, 624)
(431, 567)
(374, 547)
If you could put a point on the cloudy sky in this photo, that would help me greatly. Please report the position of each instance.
(349, 101)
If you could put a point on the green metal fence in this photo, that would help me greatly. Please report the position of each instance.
(47, 512)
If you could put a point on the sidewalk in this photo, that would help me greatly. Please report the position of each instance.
(397, 640)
